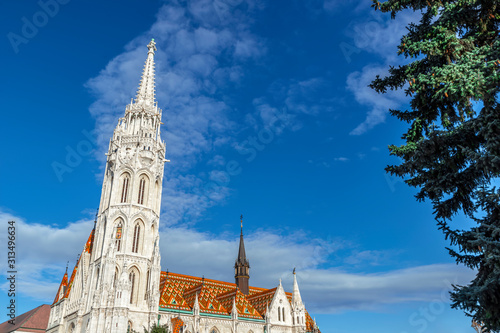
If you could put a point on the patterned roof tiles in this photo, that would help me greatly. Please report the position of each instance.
(70, 283)
(64, 283)
(210, 295)
(243, 306)
(90, 242)
(261, 300)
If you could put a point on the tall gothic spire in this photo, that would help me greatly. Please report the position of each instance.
(242, 266)
(241, 252)
(296, 299)
(146, 91)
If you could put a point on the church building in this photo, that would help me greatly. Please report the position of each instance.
(117, 284)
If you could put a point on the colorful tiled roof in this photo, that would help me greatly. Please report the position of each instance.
(64, 283)
(212, 295)
(206, 298)
(90, 242)
(177, 324)
(309, 322)
(261, 300)
(171, 297)
(243, 306)
(70, 283)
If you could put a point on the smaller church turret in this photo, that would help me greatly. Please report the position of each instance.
(298, 308)
(242, 266)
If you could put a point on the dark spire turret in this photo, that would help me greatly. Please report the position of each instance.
(242, 266)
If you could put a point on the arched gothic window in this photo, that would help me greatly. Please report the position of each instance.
(115, 277)
(118, 236)
(283, 313)
(142, 189)
(131, 278)
(147, 285)
(135, 242)
(279, 313)
(125, 185)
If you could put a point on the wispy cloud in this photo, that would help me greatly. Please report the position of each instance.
(273, 254)
(379, 36)
(204, 52)
(201, 52)
(378, 104)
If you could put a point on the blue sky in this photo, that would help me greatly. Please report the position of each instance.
(276, 90)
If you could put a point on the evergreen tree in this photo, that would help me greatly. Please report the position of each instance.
(452, 146)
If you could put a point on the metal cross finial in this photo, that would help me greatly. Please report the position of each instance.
(241, 220)
(294, 270)
(67, 264)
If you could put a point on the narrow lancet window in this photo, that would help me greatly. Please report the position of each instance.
(124, 189)
(118, 237)
(131, 278)
(142, 185)
(135, 243)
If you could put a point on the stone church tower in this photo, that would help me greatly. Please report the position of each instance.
(119, 273)
(117, 285)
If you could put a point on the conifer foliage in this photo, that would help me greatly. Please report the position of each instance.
(452, 146)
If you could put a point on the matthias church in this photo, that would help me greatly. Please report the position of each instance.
(118, 285)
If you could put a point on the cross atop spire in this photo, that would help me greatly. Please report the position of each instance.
(146, 91)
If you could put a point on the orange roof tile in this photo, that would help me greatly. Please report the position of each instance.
(64, 283)
(72, 278)
(208, 291)
(90, 242)
(171, 297)
(243, 306)
(310, 323)
(206, 298)
(177, 324)
(261, 300)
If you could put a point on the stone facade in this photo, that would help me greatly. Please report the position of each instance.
(117, 284)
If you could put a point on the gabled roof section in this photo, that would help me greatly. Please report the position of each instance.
(310, 323)
(180, 287)
(261, 300)
(35, 320)
(243, 306)
(206, 298)
(171, 297)
(64, 284)
(90, 242)
(178, 292)
(70, 283)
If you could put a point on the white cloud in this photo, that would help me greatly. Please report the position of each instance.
(379, 104)
(44, 250)
(378, 35)
(201, 50)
